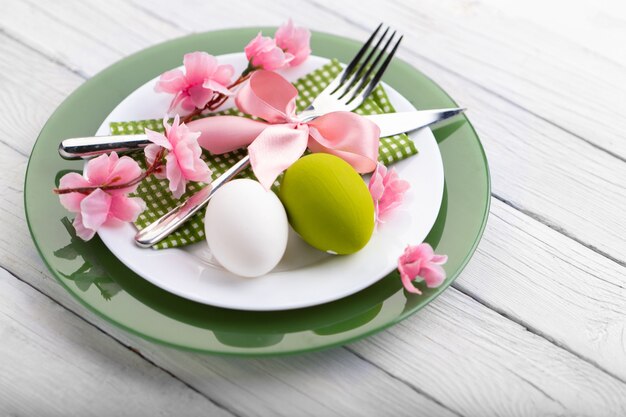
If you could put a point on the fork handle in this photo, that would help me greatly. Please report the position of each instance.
(163, 227)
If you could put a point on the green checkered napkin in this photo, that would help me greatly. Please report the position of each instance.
(159, 200)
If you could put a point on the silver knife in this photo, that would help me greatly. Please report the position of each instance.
(390, 124)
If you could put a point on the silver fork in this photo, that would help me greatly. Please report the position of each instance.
(354, 83)
(345, 93)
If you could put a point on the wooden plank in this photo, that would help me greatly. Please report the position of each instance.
(552, 285)
(603, 23)
(495, 343)
(28, 100)
(84, 36)
(330, 383)
(478, 364)
(54, 363)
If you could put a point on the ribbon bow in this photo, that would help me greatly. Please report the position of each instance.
(278, 142)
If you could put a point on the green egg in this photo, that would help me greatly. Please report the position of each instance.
(328, 203)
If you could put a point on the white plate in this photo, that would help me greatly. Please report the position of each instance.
(305, 276)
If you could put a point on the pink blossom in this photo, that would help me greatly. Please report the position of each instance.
(183, 162)
(387, 191)
(262, 52)
(421, 261)
(294, 40)
(195, 87)
(100, 207)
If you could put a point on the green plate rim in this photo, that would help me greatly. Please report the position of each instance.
(349, 339)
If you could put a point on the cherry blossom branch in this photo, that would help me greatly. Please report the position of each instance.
(219, 98)
(154, 167)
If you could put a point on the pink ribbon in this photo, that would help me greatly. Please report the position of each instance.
(278, 142)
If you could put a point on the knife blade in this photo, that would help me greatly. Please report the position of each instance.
(389, 123)
(394, 123)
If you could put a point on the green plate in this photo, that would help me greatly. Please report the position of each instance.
(103, 284)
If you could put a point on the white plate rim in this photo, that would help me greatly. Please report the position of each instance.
(228, 291)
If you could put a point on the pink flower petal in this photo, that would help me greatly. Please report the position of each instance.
(408, 285)
(376, 187)
(126, 209)
(194, 88)
(95, 209)
(254, 46)
(271, 60)
(439, 259)
(410, 268)
(213, 85)
(295, 41)
(199, 95)
(284, 33)
(178, 100)
(433, 274)
(73, 180)
(151, 152)
(387, 191)
(223, 74)
(187, 104)
(175, 176)
(71, 201)
(421, 261)
(170, 130)
(125, 170)
(201, 172)
(158, 138)
(399, 186)
(183, 160)
(81, 231)
(97, 170)
(198, 67)
(423, 252)
(263, 52)
(184, 157)
(171, 82)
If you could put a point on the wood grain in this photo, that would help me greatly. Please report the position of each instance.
(535, 325)
(54, 363)
(478, 364)
(553, 286)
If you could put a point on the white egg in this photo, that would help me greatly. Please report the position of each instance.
(246, 228)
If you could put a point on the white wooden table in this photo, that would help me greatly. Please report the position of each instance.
(534, 326)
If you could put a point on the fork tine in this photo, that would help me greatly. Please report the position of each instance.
(357, 57)
(379, 74)
(342, 93)
(357, 73)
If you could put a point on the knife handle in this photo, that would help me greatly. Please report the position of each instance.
(163, 227)
(86, 147)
